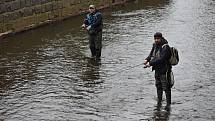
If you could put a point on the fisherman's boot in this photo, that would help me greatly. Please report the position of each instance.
(168, 99)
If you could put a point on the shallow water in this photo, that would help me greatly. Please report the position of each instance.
(46, 74)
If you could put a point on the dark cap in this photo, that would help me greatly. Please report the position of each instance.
(158, 35)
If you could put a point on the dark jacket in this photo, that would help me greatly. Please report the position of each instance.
(94, 20)
(159, 56)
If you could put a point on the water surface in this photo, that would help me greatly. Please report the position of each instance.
(47, 73)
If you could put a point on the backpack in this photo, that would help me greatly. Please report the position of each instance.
(174, 59)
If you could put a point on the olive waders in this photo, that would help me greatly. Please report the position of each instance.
(95, 43)
(162, 84)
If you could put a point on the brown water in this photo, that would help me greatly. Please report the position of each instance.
(46, 74)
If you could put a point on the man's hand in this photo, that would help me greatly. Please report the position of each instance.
(145, 62)
(88, 28)
(83, 26)
(147, 65)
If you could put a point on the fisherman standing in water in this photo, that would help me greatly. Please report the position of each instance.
(93, 23)
(159, 60)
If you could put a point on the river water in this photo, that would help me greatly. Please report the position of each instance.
(46, 74)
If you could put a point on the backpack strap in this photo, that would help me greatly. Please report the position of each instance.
(164, 45)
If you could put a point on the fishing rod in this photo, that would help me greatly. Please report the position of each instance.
(128, 68)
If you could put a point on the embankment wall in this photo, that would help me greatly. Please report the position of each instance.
(21, 15)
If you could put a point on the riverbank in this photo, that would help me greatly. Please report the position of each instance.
(17, 17)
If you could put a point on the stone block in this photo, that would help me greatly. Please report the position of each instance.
(5, 18)
(15, 5)
(60, 5)
(43, 8)
(8, 7)
(54, 6)
(37, 9)
(28, 12)
(27, 3)
(18, 14)
(48, 7)
(21, 13)
(2, 8)
(22, 3)
(45, 1)
(13, 16)
(35, 2)
(1, 18)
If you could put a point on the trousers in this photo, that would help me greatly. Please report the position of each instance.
(163, 84)
(95, 44)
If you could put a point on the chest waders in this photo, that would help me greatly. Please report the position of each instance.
(161, 83)
(95, 43)
(95, 36)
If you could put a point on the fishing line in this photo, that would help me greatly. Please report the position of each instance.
(126, 69)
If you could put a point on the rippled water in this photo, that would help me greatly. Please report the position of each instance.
(46, 74)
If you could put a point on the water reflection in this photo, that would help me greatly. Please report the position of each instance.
(91, 72)
(160, 114)
(46, 74)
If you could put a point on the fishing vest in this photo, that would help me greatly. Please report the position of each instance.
(156, 54)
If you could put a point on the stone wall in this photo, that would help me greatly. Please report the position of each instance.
(20, 15)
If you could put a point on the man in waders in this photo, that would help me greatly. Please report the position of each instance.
(159, 60)
(93, 23)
